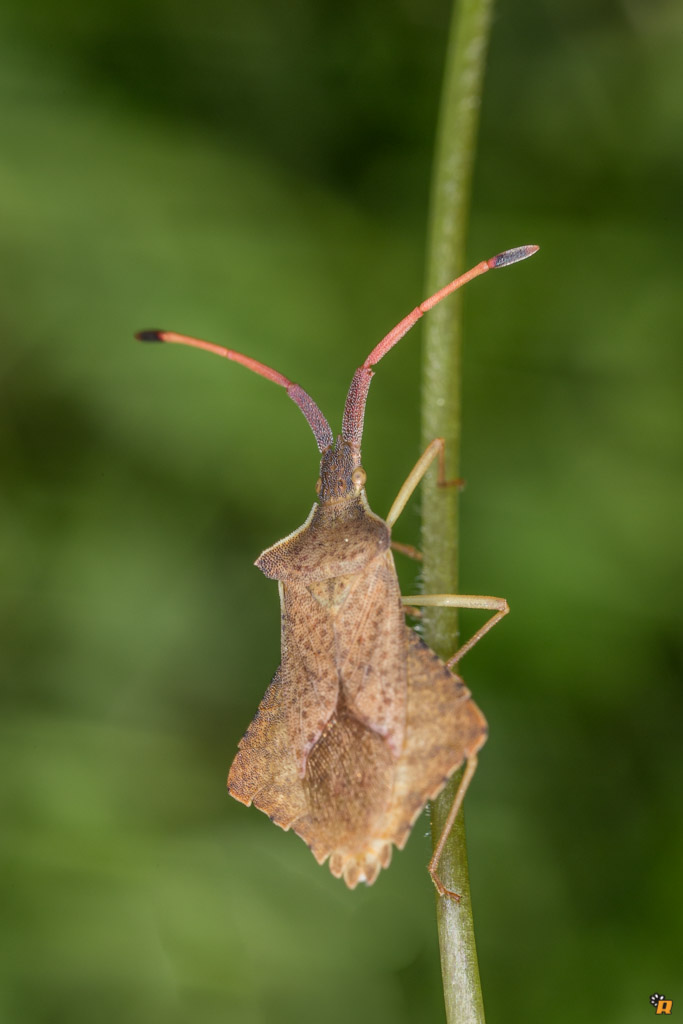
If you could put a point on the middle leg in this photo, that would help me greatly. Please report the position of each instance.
(497, 605)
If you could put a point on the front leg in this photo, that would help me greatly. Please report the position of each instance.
(434, 450)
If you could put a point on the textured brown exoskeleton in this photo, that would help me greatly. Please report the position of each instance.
(363, 723)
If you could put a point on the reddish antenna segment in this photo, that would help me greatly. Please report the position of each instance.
(354, 410)
(316, 421)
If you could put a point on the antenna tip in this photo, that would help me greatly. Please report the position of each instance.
(150, 335)
(504, 259)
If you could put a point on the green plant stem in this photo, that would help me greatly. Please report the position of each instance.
(441, 403)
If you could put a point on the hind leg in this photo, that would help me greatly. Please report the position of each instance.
(470, 768)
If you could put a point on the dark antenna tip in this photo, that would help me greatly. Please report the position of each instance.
(150, 335)
(504, 259)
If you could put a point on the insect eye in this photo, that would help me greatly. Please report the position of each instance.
(319, 486)
(358, 478)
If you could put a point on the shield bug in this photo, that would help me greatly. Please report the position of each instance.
(362, 723)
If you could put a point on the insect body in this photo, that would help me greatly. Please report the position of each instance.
(362, 723)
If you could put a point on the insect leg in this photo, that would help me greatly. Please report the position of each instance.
(497, 605)
(470, 768)
(433, 450)
(406, 549)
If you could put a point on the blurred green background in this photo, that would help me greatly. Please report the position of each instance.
(258, 174)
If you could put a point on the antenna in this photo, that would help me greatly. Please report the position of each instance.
(316, 421)
(354, 410)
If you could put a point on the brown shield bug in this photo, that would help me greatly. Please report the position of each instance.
(362, 723)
